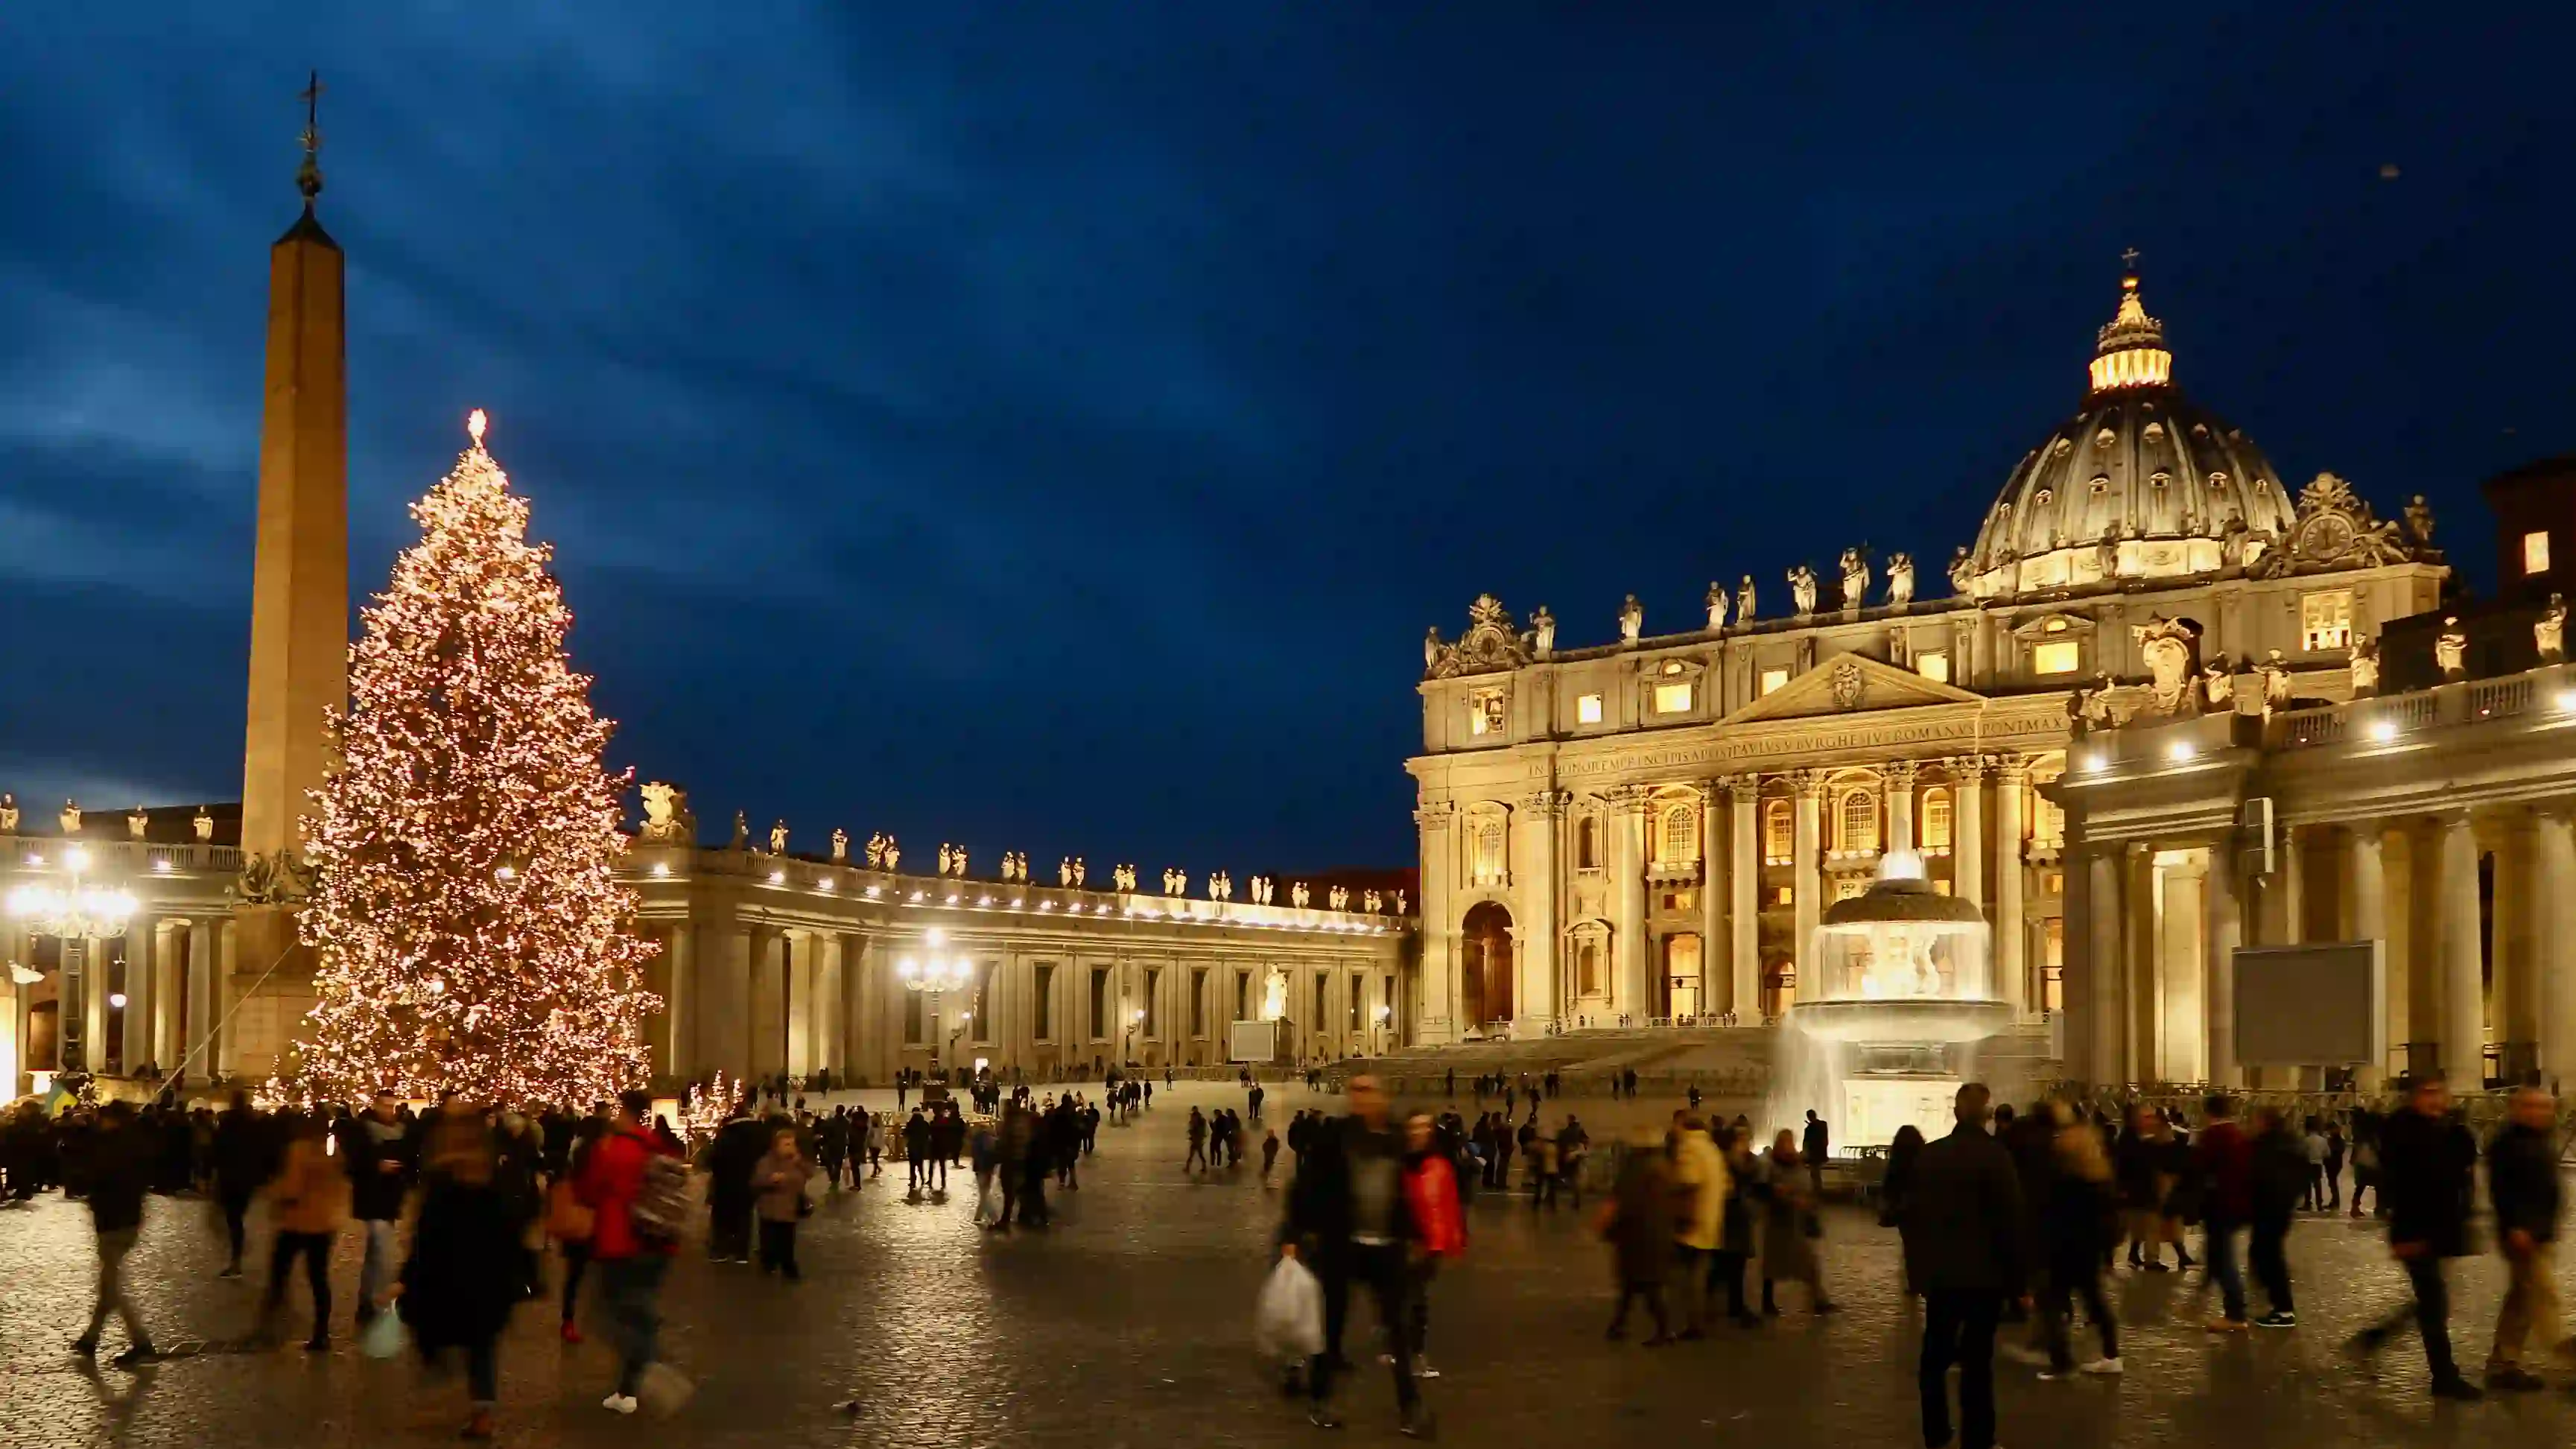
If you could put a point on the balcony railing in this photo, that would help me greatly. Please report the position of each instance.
(2550, 688)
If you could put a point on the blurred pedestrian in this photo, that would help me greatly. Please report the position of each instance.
(1964, 1237)
(2428, 1164)
(463, 1275)
(114, 1170)
(2522, 1184)
(307, 1202)
(778, 1188)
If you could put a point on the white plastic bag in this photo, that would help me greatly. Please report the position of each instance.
(1288, 1318)
(383, 1335)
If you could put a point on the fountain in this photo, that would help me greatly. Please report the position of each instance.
(1904, 991)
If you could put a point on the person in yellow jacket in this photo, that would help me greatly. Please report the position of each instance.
(308, 1200)
(1699, 1218)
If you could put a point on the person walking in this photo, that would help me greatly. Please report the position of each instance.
(114, 1170)
(245, 1156)
(1350, 1223)
(377, 1151)
(632, 1255)
(2312, 1145)
(2074, 1214)
(463, 1275)
(1197, 1131)
(778, 1194)
(2225, 1163)
(2522, 1185)
(2428, 1164)
(916, 1153)
(2282, 1169)
(1269, 1154)
(2136, 1170)
(739, 1143)
(2335, 1146)
(570, 1223)
(307, 1202)
(1963, 1238)
(1431, 1192)
(1812, 1145)
(1699, 1228)
(1791, 1229)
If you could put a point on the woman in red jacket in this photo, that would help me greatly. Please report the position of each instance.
(1440, 1225)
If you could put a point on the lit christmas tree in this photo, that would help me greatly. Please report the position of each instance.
(471, 933)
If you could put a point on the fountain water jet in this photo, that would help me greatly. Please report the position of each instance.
(1904, 991)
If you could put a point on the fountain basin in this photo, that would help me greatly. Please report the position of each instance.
(1901, 1019)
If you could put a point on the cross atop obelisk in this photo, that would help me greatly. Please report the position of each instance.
(308, 177)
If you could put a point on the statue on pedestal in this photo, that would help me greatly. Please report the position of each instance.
(2277, 683)
(741, 832)
(1716, 601)
(1079, 871)
(1430, 647)
(2451, 648)
(1632, 620)
(1962, 569)
(2549, 631)
(1399, 903)
(1855, 566)
(70, 818)
(2218, 685)
(136, 822)
(840, 846)
(1274, 994)
(666, 814)
(1900, 579)
(778, 838)
(205, 824)
(1064, 872)
(1372, 902)
(1543, 631)
(2419, 521)
(1802, 590)
(894, 855)
(2365, 668)
(1744, 600)
(876, 850)
(9, 814)
(1298, 895)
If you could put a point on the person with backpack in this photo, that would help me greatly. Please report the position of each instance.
(639, 1193)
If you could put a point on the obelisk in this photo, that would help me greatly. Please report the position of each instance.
(299, 623)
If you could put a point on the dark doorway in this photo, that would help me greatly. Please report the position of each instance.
(1485, 965)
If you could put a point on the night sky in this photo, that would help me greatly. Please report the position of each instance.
(1051, 427)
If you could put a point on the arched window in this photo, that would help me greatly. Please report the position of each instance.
(1489, 852)
(1681, 835)
(1778, 840)
(1856, 821)
(1936, 818)
(1587, 844)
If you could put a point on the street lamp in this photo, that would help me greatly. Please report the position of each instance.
(934, 974)
(78, 913)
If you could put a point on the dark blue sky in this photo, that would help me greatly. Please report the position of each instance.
(1052, 427)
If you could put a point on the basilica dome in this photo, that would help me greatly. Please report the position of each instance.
(2142, 483)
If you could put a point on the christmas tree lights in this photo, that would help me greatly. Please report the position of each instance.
(470, 932)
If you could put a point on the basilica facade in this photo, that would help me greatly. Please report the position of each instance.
(1647, 830)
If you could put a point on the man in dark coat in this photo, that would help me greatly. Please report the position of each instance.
(113, 1170)
(1349, 1222)
(739, 1143)
(2428, 1164)
(2522, 1181)
(245, 1153)
(1964, 1243)
(2279, 1174)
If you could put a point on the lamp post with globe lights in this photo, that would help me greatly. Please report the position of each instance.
(78, 912)
(935, 974)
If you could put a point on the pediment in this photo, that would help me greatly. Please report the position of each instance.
(1850, 684)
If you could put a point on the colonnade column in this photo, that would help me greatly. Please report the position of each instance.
(2554, 869)
(2365, 906)
(797, 950)
(1900, 777)
(674, 1039)
(141, 1001)
(1630, 996)
(1534, 955)
(724, 993)
(204, 972)
(2012, 973)
(2514, 983)
(1968, 830)
(1809, 890)
(829, 1009)
(2104, 1019)
(1744, 902)
(1716, 954)
(1440, 1004)
(2218, 987)
(169, 980)
(2463, 994)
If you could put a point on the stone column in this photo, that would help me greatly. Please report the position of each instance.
(2012, 973)
(1440, 1004)
(2554, 874)
(2463, 994)
(2291, 928)
(2514, 989)
(140, 999)
(724, 992)
(868, 1056)
(768, 993)
(2141, 967)
(1900, 778)
(1744, 900)
(1968, 830)
(1534, 954)
(169, 978)
(1715, 954)
(1629, 995)
(796, 993)
(2365, 905)
(1808, 892)
(205, 970)
(2106, 1007)
(2218, 987)
(829, 1013)
(675, 1034)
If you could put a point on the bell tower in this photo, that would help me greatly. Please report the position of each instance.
(299, 630)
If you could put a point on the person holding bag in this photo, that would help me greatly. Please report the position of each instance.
(571, 1222)
(778, 1188)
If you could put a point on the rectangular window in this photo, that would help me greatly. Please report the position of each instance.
(2059, 656)
(1099, 1003)
(1772, 679)
(1673, 698)
(2325, 619)
(1198, 1003)
(912, 1018)
(1485, 712)
(1045, 1002)
(2535, 552)
(1934, 666)
(1587, 709)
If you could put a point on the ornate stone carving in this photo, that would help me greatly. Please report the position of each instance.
(1064, 872)
(1542, 638)
(1632, 620)
(2419, 521)
(1373, 903)
(2218, 685)
(70, 818)
(840, 846)
(8, 814)
(1802, 590)
(1716, 602)
(878, 842)
(1488, 646)
(1547, 804)
(204, 823)
(2171, 648)
(1807, 784)
(2365, 667)
(666, 814)
(1855, 566)
(1900, 775)
(1900, 579)
(1399, 903)
(1962, 569)
(778, 837)
(1339, 898)
(274, 878)
(2549, 631)
(2451, 648)
(1079, 871)
(1744, 600)
(741, 832)
(1969, 770)
(2333, 529)
(136, 822)
(2277, 683)
(1299, 895)
(2089, 708)
(1849, 682)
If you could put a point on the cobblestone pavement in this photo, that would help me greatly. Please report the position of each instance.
(1128, 1325)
